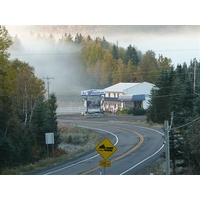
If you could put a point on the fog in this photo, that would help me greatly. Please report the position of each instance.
(180, 43)
(49, 60)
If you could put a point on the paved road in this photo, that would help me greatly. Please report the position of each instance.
(136, 147)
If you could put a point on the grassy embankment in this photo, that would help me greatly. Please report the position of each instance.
(74, 142)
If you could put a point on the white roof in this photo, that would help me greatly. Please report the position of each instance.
(120, 87)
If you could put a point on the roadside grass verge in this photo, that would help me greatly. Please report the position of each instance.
(74, 141)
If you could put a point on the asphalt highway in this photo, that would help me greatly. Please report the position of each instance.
(126, 148)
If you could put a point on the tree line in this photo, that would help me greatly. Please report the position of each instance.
(176, 98)
(104, 63)
(25, 114)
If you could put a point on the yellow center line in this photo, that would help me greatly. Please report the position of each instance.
(141, 140)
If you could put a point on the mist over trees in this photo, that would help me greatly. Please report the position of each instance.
(86, 62)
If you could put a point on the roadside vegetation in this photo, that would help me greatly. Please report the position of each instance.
(132, 111)
(176, 98)
(74, 141)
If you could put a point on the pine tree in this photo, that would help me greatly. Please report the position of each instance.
(131, 55)
(160, 102)
(38, 122)
(52, 124)
(115, 52)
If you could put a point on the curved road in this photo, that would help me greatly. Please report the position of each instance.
(137, 147)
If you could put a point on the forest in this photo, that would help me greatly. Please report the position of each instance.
(101, 63)
(26, 115)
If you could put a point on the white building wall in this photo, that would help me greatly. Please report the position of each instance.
(146, 102)
(143, 88)
(137, 89)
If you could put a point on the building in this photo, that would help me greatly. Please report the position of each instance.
(127, 95)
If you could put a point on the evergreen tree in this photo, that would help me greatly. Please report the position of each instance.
(69, 38)
(78, 38)
(17, 46)
(7, 152)
(88, 38)
(131, 55)
(160, 103)
(177, 147)
(115, 52)
(44, 120)
(104, 43)
(52, 124)
(38, 121)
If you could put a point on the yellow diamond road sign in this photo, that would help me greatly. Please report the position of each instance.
(106, 148)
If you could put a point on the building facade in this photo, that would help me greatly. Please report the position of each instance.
(127, 95)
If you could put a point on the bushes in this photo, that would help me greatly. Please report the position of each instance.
(7, 152)
(132, 111)
(124, 111)
(137, 111)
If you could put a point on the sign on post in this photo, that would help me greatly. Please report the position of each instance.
(106, 148)
(104, 163)
(49, 138)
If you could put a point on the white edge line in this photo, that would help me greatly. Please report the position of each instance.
(87, 158)
(147, 157)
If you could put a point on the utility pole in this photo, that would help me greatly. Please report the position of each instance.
(195, 69)
(172, 118)
(167, 129)
(48, 82)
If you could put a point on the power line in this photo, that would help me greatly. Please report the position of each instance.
(195, 69)
(186, 124)
(168, 95)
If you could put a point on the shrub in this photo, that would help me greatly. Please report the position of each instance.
(137, 111)
(124, 111)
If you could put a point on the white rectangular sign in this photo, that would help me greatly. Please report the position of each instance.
(49, 137)
(93, 92)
